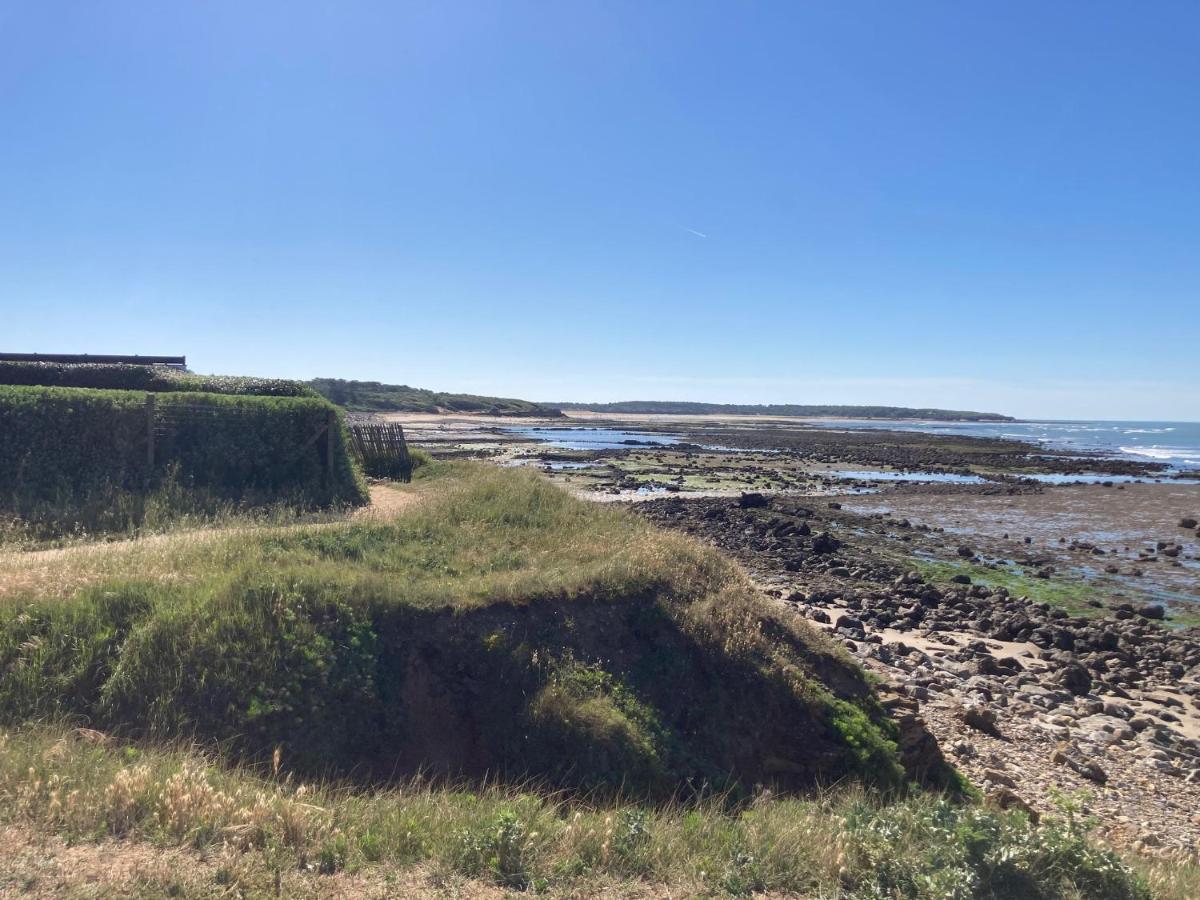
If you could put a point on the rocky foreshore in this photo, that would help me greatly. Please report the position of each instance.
(1033, 701)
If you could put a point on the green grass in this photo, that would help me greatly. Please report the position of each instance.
(500, 626)
(84, 787)
(1071, 596)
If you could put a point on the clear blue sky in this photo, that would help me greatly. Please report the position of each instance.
(986, 205)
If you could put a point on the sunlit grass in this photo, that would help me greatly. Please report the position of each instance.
(844, 842)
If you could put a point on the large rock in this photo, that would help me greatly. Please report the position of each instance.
(824, 542)
(1074, 678)
(981, 718)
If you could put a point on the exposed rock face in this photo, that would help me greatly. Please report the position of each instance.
(919, 751)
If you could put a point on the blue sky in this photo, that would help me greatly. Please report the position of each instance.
(991, 206)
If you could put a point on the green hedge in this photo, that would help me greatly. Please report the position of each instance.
(159, 379)
(62, 448)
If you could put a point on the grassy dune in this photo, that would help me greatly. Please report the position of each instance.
(500, 627)
(502, 689)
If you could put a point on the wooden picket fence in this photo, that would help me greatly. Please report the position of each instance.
(382, 450)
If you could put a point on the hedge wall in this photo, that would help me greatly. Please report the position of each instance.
(59, 447)
(109, 376)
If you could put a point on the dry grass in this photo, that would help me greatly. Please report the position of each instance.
(85, 815)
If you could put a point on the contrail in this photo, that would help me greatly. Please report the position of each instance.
(699, 234)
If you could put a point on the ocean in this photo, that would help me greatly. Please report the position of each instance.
(1174, 443)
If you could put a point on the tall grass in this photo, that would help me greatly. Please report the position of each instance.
(83, 786)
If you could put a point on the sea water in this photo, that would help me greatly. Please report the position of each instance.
(1174, 443)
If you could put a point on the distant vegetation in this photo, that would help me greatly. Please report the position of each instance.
(668, 407)
(372, 396)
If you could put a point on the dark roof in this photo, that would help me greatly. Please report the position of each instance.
(177, 362)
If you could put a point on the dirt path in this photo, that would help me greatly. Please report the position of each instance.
(387, 501)
(61, 570)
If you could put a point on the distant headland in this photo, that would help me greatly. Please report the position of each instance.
(669, 407)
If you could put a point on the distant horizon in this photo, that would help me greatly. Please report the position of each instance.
(493, 391)
(927, 204)
(1012, 416)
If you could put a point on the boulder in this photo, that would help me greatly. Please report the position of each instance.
(1074, 678)
(824, 542)
(981, 718)
(848, 622)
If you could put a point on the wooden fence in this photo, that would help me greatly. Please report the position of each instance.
(382, 450)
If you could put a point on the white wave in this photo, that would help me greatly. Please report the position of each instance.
(1148, 430)
(1164, 453)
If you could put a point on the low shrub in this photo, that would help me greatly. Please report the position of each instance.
(112, 376)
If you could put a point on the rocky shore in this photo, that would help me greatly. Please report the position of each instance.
(1037, 702)
(927, 452)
